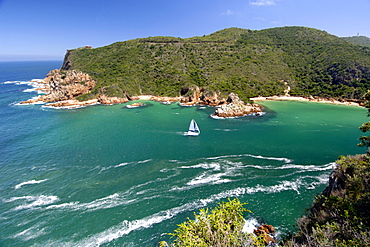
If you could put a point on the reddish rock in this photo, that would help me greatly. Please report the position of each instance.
(236, 108)
(65, 85)
(265, 230)
(72, 103)
(103, 99)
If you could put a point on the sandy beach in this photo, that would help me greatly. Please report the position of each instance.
(297, 98)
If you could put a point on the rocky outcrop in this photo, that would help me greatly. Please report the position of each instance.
(197, 96)
(67, 64)
(70, 104)
(235, 107)
(266, 231)
(103, 99)
(64, 85)
(165, 99)
(231, 107)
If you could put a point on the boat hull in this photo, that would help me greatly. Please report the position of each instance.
(191, 133)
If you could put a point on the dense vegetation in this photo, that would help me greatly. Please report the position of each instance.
(341, 215)
(358, 40)
(249, 63)
(220, 227)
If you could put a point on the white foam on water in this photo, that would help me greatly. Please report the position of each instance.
(18, 186)
(34, 103)
(214, 166)
(125, 164)
(122, 164)
(250, 225)
(227, 130)
(205, 178)
(286, 160)
(11, 82)
(214, 174)
(325, 167)
(30, 233)
(225, 156)
(110, 201)
(144, 161)
(323, 179)
(36, 201)
(114, 200)
(126, 227)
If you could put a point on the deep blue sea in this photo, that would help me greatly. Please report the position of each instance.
(113, 176)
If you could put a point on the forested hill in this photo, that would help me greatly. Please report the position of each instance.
(249, 63)
(358, 40)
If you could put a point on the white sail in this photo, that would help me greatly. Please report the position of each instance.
(193, 128)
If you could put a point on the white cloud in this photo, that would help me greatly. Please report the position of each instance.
(263, 2)
(228, 12)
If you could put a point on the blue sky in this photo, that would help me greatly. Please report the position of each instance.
(45, 29)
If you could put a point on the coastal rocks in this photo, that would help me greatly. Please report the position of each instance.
(64, 85)
(191, 96)
(212, 100)
(236, 108)
(103, 99)
(197, 96)
(73, 103)
(165, 99)
(70, 104)
(265, 230)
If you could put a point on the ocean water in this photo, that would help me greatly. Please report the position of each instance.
(113, 176)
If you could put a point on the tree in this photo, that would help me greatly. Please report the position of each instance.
(221, 226)
(365, 140)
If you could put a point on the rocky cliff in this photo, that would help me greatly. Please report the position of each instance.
(63, 86)
(198, 96)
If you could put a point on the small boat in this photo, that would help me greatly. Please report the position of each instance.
(193, 129)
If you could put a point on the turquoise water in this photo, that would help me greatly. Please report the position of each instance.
(113, 176)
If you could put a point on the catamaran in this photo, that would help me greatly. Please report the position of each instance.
(193, 129)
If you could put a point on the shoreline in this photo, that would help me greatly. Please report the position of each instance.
(300, 98)
(39, 86)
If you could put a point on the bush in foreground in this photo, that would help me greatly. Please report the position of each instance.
(221, 226)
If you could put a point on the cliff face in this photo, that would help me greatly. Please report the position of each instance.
(67, 84)
(67, 64)
(64, 85)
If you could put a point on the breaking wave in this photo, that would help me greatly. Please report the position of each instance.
(34, 201)
(126, 226)
(18, 186)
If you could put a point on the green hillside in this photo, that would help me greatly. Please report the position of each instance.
(359, 40)
(249, 63)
